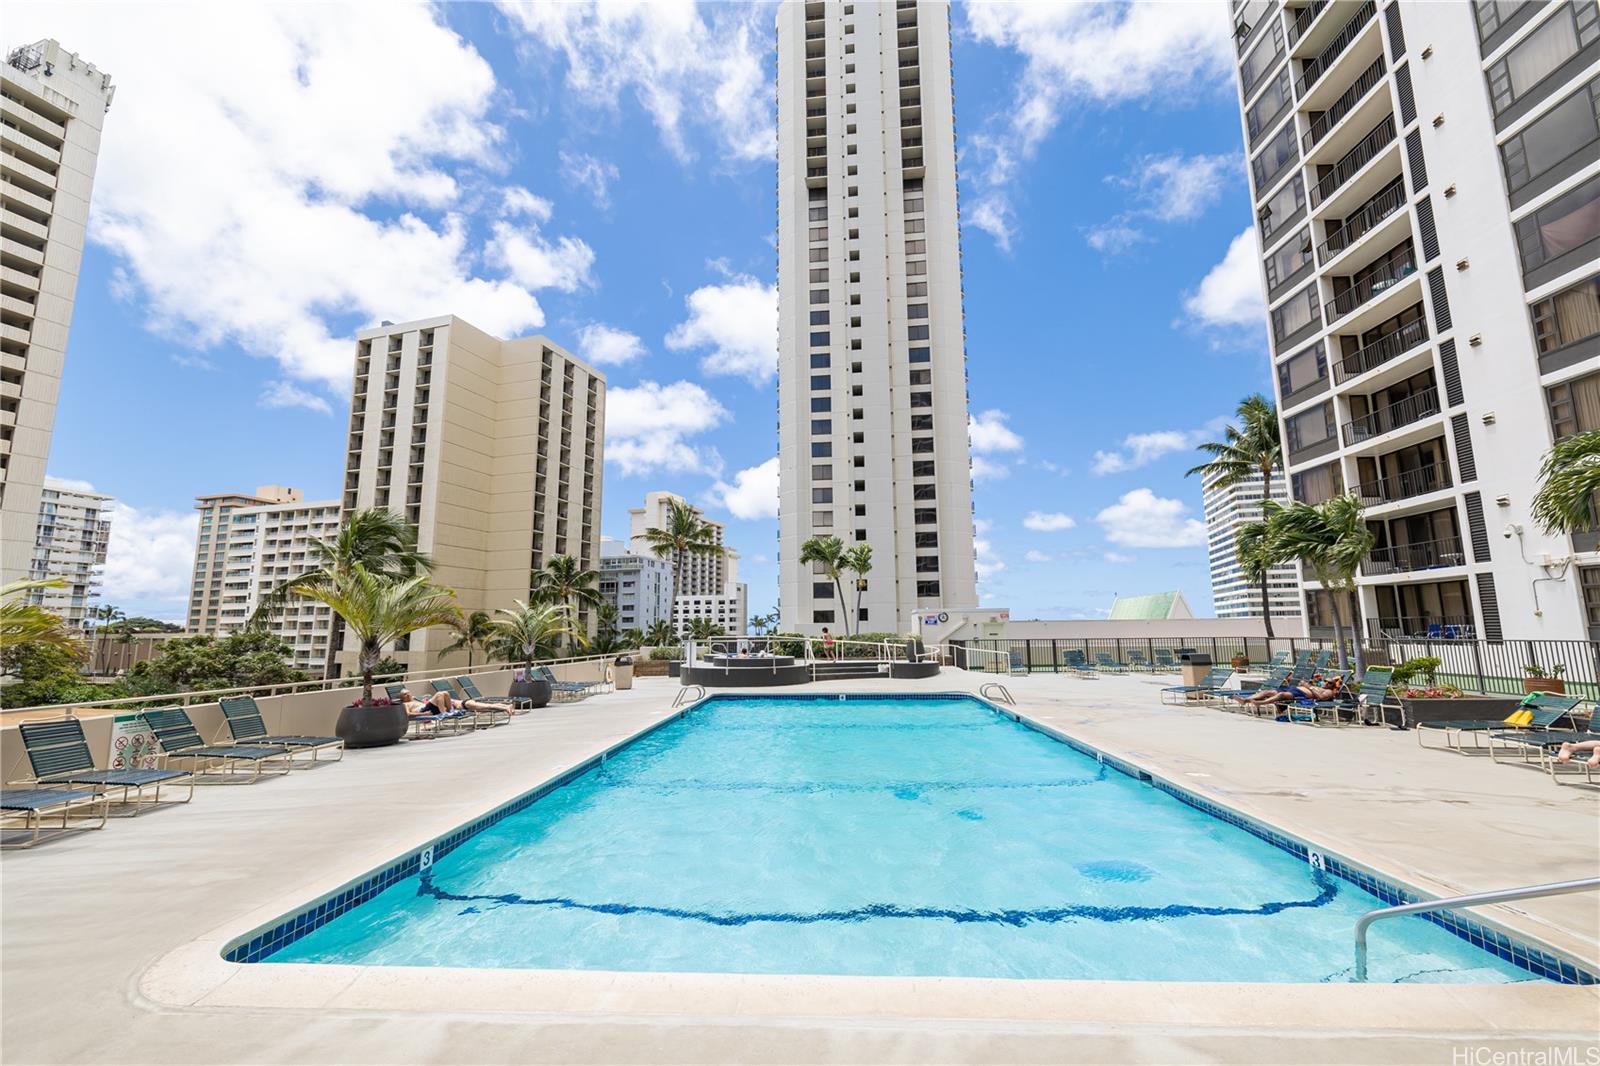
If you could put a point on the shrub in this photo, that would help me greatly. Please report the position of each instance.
(1425, 667)
(671, 654)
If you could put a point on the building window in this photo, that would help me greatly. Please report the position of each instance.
(917, 247)
(822, 616)
(1574, 406)
(924, 492)
(928, 589)
(922, 422)
(1565, 131)
(1309, 428)
(1569, 316)
(916, 225)
(1262, 58)
(1269, 105)
(920, 445)
(1318, 484)
(819, 296)
(925, 516)
(1295, 314)
(917, 333)
(1589, 581)
(1282, 209)
(1293, 256)
(916, 310)
(819, 338)
(819, 214)
(922, 399)
(819, 274)
(822, 495)
(821, 449)
(822, 472)
(819, 233)
(819, 318)
(821, 519)
(919, 355)
(822, 590)
(1541, 53)
(821, 381)
(927, 564)
(922, 468)
(1561, 226)
(917, 267)
(1492, 14)
(1303, 370)
(1280, 153)
(821, 403)
(914, 206)
(820, 360)
(927, 540)
(819, 255)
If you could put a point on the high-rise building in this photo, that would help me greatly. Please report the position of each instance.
(708, 585)
(74, 529)
(638, 585)
(492, 449)
(1426, 182)
(872, 408)
(212, 540)
(255, 547)
(52, 105)
(1227, 509)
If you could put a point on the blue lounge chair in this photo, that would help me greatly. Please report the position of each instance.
(1278, 678)
(483, 716)
(179, 739)
(1017, 665)
(1208, 687)
(430, 725)
(247, 727)
(570, 689)
(1546, 710)
(1104, 661)
(1076, 662)
(470, 687)
(31, 806)
(1164, 660)
(1137, 661)
(59, 754)
(1372, 693)
(1547, 743)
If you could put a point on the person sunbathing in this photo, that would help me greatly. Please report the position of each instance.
(1569, 749)
(1290, 693)
(438, 703)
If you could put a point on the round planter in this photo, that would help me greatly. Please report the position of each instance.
(371, 727)
(1240, 662)
(537, 693)
(1555, 685)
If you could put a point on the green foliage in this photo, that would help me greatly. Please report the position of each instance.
(1252, 450)
(388, 666)
(141, 624)
(1425, 667)
(792, 644)
(672, 654)
(685, 533)
(1570, 476)
(1535, 670)
(45, 673)
(531, 631)
(192, 664)
(831, 554)
(705, 629)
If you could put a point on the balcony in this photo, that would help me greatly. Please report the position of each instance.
(1389, 346)
(1313, 69)
(1423, 627)
(1408, 558)
(1327, 120)
(1404, 485)
(1413, 408)
(1365, 151)
(1303, 19)
(1391, 199)
(1373, 284)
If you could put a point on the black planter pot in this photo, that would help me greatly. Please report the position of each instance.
(537, 693)
(371, 727)
(674, 667)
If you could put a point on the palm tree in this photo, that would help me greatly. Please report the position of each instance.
(830, 553)
(472, 633)
(380, 609)
(105, 615)
(858, 560)
(1256, 553)
(1566, 501)
(564, 581)
(701, 628)
(760, 623)
(530, 631)
(686, 533)
(1256, 450)
(1331, 539)
(22, 622)
(631, 638)
(661, 634)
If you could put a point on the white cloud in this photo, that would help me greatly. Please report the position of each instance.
(988, 432)
(288, 394)
(1166, 188)
(192, 362)
(1114, 237)
(753, 494)
(685, 65)
(1038, 557)
(986, 564)
(515, 200)
(70, 484)
(148, 561)
(1117, 557)
(1095, 53)
(738, 321)
(308, 177)
(1048, 521)
(1142, 449)
(539, 263)
(591, 173)
(1230, 293)
(599, 343)
(988, 470)
(1141, 519)
(646, 426)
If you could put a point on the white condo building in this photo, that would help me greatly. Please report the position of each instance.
(1226, 510)
(872, 410)
(52, 105)
(1426, 182)
(708, 586)
(638, 585)
(73, 531)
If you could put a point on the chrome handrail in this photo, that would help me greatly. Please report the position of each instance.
(679, 699)
(1003, 695)
(1477, 899)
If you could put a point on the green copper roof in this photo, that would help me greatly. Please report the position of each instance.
(1157, 605)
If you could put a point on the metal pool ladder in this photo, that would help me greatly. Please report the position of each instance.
(994, 690)
(1504, 895)
(679, 700)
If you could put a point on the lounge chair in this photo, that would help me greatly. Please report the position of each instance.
(1136, 661)
(570, 689)
(1017, 665)
(1275, 680)
(1164, 660)
(1537, 713)
(32, 805)
(1208, 687)
(483, 716)
(511, 703)
(1547, 742)
(59, 754)
(1078, 664)
(1372, 693)
(430, 725)
(179, 739)
(1280, 659)
(1104, 661)
(247, 727)
(1313, 712)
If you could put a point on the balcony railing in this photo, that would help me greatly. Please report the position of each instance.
(1341, 107)
(1424, 627)
(1405, 558)
(1404, 485)
(1380, 207)
(1303, 19)
(1314, 69)
(1371, 285)
(1413, 408)
(1389, 346)
(1363, 153)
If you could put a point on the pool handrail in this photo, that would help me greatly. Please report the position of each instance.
(1477, 899)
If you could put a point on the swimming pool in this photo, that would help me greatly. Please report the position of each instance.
(866, 836)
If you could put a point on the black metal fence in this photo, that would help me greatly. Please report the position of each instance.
(1477, 666)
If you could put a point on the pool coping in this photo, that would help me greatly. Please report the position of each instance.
(197, 974)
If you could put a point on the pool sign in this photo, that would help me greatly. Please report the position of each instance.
(133, 746)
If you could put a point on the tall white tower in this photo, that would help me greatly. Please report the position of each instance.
(872, 412)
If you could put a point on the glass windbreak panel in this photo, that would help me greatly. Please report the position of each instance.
(1566, 223)
(1261, 58)
(1302, 370)
(1273, 99)
(1282, 208)
(1565, 129)
(1569, 316)
(1295, 313)
(1281, 151)
(1309, 428)
(1291, 258)
(1542, 52)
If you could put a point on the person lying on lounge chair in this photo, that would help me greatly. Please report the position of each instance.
(1569, 749)
(438, 703)
(1297, 692)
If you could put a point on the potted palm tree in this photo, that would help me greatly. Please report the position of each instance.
(528, 632)
(378, 609)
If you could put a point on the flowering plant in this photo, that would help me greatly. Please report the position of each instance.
(1432, 692)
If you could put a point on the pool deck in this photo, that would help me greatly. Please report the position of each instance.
(109, 941)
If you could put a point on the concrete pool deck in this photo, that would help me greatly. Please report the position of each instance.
(109, 941)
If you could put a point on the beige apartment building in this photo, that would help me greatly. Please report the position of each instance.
(52, 105)
(492, 449)
(709, 586)
(212, 539)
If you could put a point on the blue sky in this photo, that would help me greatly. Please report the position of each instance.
(275, 177)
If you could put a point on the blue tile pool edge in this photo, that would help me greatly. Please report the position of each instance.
(266, 940)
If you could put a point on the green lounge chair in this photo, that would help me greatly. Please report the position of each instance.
(31, 806)
(1164, 660)
(1546, 710)
(1136, 661)
(1017, 666)
(1275, 680)
(483, 716)
(1280, 659)
(1546, 743)
(1213, 682)
(58, 752)
(1076, 662)
(1104, 661)
(511, 703)
(247, 727)
(179, 739)
(424, 726)
(570, 689)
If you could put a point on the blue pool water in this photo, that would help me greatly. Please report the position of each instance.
(910, 837)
